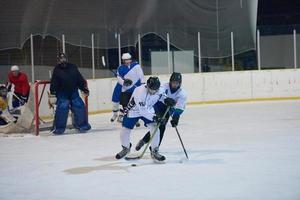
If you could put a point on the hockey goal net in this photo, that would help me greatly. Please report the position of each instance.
(43, 113)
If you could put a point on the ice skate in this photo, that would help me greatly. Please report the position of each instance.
(123, 153)
(120, 118)
(114, 117)
(156, 156)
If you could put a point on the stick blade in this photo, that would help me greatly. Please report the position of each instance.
(132, 157)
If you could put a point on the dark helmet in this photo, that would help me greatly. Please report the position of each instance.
(62, 58)
(175, 77)
(153, 83)
(3, 90)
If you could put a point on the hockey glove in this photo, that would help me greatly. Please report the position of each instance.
(86, 91)
(127, 82)
(170, 102)
(174, 121)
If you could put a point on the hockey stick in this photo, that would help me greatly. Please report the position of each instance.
(114, 73)
(21, 100)
(104, 65)
(151, 138)
(181, 142)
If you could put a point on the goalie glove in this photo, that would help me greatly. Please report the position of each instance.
(86, 92)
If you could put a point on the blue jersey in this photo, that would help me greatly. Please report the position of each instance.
(133, 72)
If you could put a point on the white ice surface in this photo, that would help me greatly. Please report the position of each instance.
(246, 151)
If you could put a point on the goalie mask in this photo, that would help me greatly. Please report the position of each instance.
(62, 58)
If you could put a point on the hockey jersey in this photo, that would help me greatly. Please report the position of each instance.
(179, 96)
(66, 80)
(133, 72)
(142, 102)
(21, 83)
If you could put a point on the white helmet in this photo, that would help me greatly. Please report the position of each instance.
(14, 68)
(126, 56)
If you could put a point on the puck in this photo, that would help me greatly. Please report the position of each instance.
(133, 165)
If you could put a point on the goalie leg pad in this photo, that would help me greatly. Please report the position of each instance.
(61, 115)
(80, 116)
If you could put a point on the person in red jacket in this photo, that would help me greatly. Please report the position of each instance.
(21, 86)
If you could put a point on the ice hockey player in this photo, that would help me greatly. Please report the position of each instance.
(5, 116)
(130, 75)
(21, 86)
(65, 82)
(174, 91)
(141, 107)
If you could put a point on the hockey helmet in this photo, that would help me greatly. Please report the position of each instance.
(153, 84)
(175, 81)
(126, 56)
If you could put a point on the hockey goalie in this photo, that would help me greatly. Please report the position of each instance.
(10, 123)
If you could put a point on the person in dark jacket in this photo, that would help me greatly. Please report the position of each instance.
(65, 82)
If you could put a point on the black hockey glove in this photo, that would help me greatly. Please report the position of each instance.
(86, 91)
(174, 121)
(170, 102)
(127, 82)
(159, 120)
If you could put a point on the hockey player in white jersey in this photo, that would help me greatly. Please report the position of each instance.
(175, 92)
(141, 107)
(130, 75)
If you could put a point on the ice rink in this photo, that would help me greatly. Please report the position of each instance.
(241, 151)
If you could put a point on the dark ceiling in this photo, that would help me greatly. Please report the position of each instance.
(278, 12)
